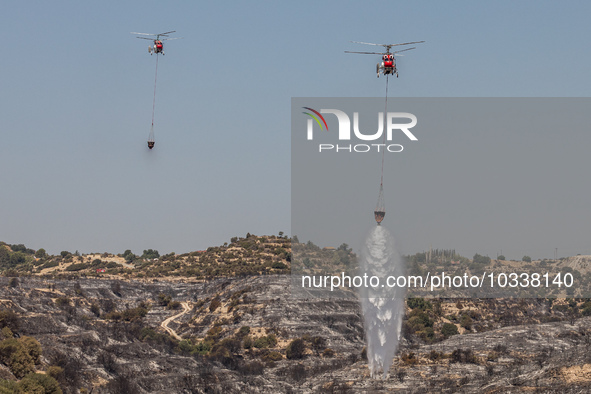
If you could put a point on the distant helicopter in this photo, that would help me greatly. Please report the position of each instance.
(158, 45)
(388, 64)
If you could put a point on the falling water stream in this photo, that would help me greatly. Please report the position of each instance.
(383, 307)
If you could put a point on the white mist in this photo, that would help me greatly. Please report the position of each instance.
(382, 306)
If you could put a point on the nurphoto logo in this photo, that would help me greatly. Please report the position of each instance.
(344, 130)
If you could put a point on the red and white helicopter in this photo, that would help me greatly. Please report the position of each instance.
(158, 45)
(388, 64)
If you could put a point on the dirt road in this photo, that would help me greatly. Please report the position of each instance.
(164, 324)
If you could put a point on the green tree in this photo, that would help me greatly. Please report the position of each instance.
(501, 257)
(4, 255)
(344, 247)
(481, 260)
(128, 256)
(527, 259)
(150, 254)
(41, 253)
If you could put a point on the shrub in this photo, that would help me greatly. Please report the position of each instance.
(466, 322)
(449, 329)
(63, 302)
(252, 368)
(419, 303)
(328, 352)
(7, 333)
(214, 304)
(427, 334)
(76, 267)
(55, 372)
(244, 330)
(20, 355)
(116, 288)
(108, 361)
(202, 348)
(9, 319)
(318, 344)
(233, 345)
(49, 264)
(419, 320)
(39, 383)
(163, 299)
(272, 356)
(265, 342)
(279, 265)
(130, 314)
(214, 333)
(298, 372)
(409, 358)
(434, 355)
(500, 348)
(463, 356)
(295, 350)
(95, 310)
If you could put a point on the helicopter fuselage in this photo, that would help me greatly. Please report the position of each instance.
(157, 48)
(387, 66)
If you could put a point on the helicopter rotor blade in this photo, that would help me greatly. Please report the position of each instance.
(406, 43)
(142, 34)
(403, 50)
(146, 38)
(366, 53)
(388, 45)
(367, 43)
(168, 32)
(175, 38)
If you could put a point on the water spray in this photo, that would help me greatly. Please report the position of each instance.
(382, 307)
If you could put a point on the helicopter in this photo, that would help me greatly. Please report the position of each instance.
(158, 45)
(388, 64)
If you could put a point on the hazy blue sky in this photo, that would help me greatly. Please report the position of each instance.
(76, 100)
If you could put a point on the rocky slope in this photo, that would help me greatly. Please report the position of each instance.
(108, 338)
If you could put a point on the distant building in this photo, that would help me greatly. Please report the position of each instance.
(101, 270)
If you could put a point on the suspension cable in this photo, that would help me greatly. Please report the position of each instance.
(154, 100)
(384, 139)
